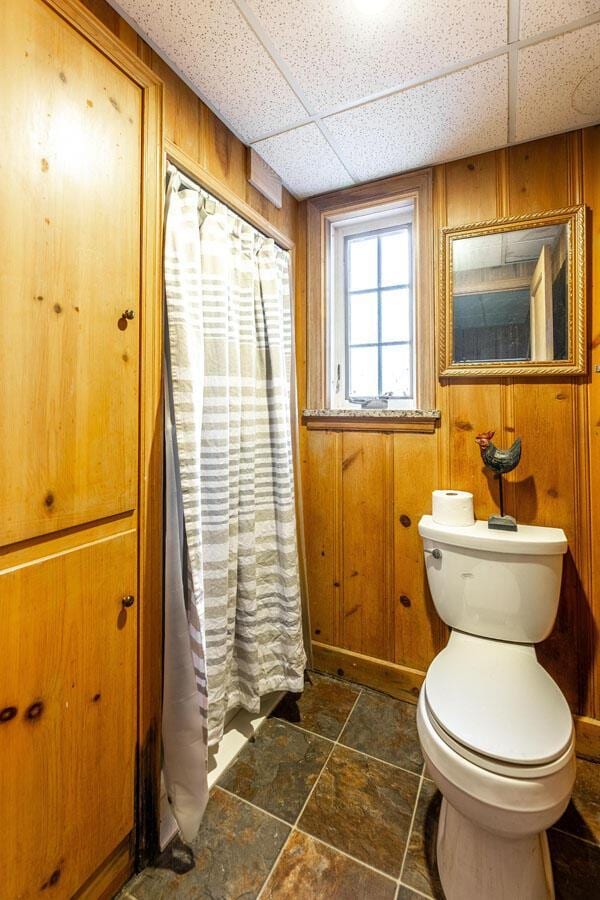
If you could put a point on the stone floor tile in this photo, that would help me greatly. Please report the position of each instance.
(309, 870)
(323, 707)
(386, 728)
(231, 857)
(277, 770)
(420, 868)
(362, 807)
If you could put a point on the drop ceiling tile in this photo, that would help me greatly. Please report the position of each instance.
(458, 115)
(339, 54)
(213, 46)
(305, 161)
(559, 83)
(537, 16)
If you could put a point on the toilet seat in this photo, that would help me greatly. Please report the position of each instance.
(498, 767)
(494, 704)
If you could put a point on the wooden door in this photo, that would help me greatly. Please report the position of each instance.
(542, 328)
(74, 505)
(70, 155)
(67, 744)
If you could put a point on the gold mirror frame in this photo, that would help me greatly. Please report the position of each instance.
(575, 364)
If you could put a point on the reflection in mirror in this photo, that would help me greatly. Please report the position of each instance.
(510, 297)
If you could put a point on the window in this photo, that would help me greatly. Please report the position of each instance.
(372, 309)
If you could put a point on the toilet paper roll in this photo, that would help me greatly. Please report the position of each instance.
(452, 508)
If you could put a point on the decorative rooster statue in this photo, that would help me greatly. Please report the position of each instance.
(500, 462)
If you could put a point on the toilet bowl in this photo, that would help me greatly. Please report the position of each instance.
(496, 732)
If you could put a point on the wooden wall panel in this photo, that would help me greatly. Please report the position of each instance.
(418, 631)
(589, 627)
(320, 481)
(558, 481)
(538, 177)
(366, 509)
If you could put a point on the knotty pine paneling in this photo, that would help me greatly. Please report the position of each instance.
(191, 125)
(558, 480)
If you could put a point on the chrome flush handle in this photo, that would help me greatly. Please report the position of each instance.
(437, 554)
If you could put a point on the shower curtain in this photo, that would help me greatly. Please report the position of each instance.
(228, 366)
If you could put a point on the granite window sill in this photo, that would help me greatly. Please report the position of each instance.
(419, 420)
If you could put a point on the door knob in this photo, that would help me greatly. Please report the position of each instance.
(128, 314)
(128, 601)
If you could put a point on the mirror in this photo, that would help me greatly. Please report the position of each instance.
(513, 296)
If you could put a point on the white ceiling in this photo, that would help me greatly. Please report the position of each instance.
(335, 92)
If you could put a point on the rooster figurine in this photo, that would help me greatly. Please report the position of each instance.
(500, 462)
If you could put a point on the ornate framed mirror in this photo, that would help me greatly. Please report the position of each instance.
(512, 296)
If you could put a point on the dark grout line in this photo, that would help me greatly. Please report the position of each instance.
(577, 837)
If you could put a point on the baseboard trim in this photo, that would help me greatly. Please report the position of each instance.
(399, 681)
(110, 877)
(587, 737)
(405, 683)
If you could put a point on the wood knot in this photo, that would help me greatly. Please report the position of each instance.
(34, 711)
(57, 308)
(404, 600)
(471, 167)
(96, 697)
(52, 880)
(463, 426)
(49, 499)
(405, 521)
(44, 165)
(8, 713)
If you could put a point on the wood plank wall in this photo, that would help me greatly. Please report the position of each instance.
(364, 493)
(191, 125)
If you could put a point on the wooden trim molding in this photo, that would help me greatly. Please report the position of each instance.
(398, 681)
(321, 211)
(209, 182)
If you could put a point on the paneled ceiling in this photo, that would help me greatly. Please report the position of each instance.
(336, 92)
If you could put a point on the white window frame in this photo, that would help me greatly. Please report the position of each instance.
(379, 218)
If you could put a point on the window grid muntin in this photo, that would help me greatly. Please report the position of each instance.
(379, 289)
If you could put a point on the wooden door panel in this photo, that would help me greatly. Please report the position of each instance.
(67, 744)
(71, 126)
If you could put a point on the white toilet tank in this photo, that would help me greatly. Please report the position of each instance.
(496, 584)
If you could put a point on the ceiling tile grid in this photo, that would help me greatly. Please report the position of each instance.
(536, 17)
(212, 45)
(305, 161)
(559, 83)
(338, 54)
(460, 114)
(335, 92)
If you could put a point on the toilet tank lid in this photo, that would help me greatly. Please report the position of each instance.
(534, 540)
(496, 699)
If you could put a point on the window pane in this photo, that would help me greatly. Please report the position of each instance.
(395, 370)
(363, 264)
(395, 315)
(363, 372)
(395, 258)
(363, 318)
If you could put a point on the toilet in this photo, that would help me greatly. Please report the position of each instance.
(496, 731)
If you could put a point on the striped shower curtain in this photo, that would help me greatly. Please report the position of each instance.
(229, 348)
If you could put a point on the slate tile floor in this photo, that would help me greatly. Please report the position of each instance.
(330, 802)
